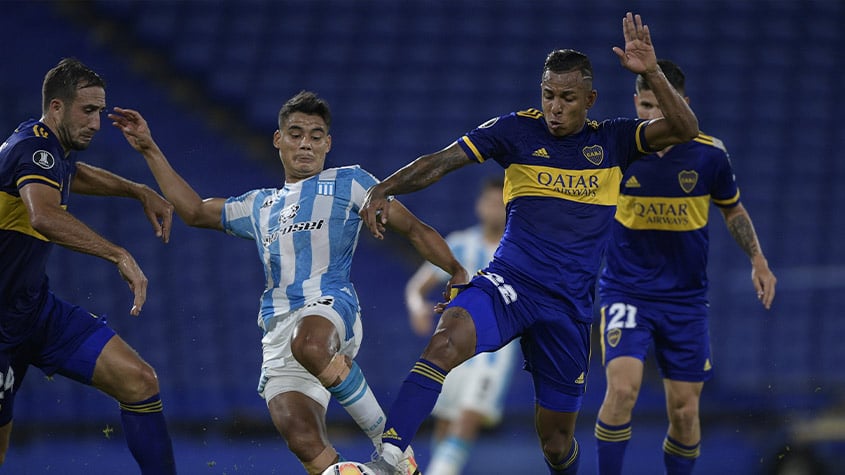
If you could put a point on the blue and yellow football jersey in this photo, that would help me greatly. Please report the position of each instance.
(659, 241)
(560, 194)
(32, 154)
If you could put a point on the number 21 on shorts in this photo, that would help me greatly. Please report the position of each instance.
(622, 315)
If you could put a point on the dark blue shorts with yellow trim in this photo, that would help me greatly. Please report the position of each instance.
(679, 333)
(65, 339)
(555, 345)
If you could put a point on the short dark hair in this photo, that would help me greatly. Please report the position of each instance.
(306, 102)
(672, 72)
(65, 79)
(565, 60)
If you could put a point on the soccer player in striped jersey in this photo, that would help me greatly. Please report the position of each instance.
(38, 171)
(562, 175)
(653, 290)
(306, 232)
(474, 392)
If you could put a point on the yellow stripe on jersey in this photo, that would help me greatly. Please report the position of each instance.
(14, 217)
(710, 140)
(637, 137)
(474, 149)
(729, 201)
(40, 178)
(595, 186)
(662, 213)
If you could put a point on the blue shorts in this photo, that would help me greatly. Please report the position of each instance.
(555, 345)
(65, 339)
(679, 332)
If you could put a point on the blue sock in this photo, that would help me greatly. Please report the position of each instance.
(147, 436)
(570, 463)
(678, 458)
(414, 403)
(611, 442)
(450, 455)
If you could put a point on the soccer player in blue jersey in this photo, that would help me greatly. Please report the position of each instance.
(306, 232)
(653, 290)
(38, 171)
(562, 174)
(473, 393)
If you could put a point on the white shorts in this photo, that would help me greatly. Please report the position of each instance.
(280, 372)
(478, 384)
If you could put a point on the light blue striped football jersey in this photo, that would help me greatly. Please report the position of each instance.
(306, 234)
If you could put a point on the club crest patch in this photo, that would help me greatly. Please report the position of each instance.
(594, 153)
(613, 336)
(43, 159)
(688, 179)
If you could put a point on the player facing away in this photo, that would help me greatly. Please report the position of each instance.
(305, 232)
(473, 393)
(653, 290)
(38, 171)
(562, 176)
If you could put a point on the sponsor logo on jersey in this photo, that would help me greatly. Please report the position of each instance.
(632, 182)
(43, 159)
(292, 228)
(687, 179)
(594, 153)
(572, 185)
(540, 152)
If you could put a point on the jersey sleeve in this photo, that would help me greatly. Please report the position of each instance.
(36, 163)
(239, 214)
(725, 192)
(631, 140)
(362, 181)
(488, 139)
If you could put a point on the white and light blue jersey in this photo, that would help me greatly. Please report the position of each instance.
(470, 249)
(306, 234)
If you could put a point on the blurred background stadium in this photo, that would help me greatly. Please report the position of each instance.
(406, 78)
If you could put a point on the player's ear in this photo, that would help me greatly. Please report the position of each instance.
(591, 98)
(277, 139)
(328, 143)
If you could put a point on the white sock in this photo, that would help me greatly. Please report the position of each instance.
(449, 457)
(355, 395)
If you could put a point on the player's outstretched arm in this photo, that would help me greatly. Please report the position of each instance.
(91, 180)
(193, 210)
(46, 215)
(742, 229)
(422, 172)
(429, 243)
(679, 124)
(420, 309)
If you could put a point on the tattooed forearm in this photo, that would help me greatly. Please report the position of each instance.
(743, 233)
(426, 170)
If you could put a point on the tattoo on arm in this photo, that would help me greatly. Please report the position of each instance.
(427, 169)
(743, 233)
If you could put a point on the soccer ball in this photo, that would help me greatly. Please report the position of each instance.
(348, 468)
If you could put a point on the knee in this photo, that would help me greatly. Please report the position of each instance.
(556, 447)
(453, 342)
(621, 398)
(684, 415)
(140, 382)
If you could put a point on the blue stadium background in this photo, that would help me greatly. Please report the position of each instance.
(407, 78)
